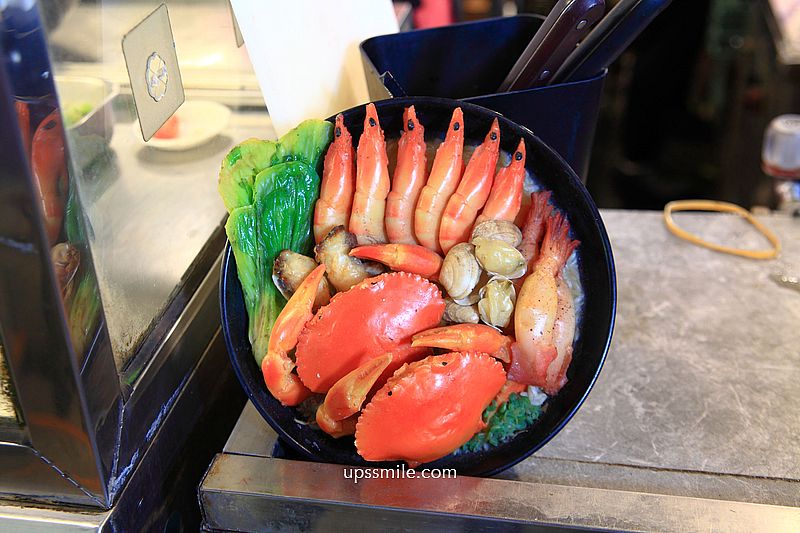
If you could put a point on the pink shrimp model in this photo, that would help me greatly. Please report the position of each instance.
(336, 189)
(408, 180)
(441, 184)
(534, 226)
(540, 326)
(473, 190)
(372, 183)
(505, 199)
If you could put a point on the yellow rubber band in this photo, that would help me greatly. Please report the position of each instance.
(721, 207)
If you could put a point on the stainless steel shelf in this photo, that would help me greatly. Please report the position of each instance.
(693, 424)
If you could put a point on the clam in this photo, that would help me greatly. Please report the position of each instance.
(500, 258)
(496, 306)
(460, 271)
(501, 230)
(460, 314)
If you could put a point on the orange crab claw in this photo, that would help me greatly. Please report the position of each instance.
(411, 258)
(429, 408)
(277, 366)
(346, 396)
(467, 338)
(335, 428)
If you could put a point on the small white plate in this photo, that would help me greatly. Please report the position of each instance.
(199, 121)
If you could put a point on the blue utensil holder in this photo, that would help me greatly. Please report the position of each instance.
(469, 61)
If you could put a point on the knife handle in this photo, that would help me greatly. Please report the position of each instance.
(545, 54)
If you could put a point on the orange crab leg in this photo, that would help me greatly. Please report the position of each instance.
(473, 190)
(336, 189)
(277, 366)
(505, 200)
(411, 258)
(408, 180)
(466, 338)
(372, 183)
(441, 184)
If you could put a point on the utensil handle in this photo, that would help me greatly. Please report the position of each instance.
(566, 25)
(609, 39)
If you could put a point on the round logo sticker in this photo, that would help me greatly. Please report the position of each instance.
(156, 77)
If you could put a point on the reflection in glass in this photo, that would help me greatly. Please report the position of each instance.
(42, 130)
(148, 212)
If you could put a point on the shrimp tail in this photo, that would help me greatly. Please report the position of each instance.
(531, 369)
(557, 245)
(534, 226)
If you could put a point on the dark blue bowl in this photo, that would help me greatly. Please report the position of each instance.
(596, 266)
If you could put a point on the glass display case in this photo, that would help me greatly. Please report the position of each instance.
(110, 249)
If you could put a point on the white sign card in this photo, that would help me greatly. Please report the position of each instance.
(305, 53)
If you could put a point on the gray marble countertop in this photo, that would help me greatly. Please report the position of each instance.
(698, 397)
(700, 388)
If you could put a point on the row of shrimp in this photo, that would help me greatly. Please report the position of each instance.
(437, 210)
(408, 222)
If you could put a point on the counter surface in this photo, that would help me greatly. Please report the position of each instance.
(697, 399)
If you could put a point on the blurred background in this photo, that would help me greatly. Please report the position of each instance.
(684, 110)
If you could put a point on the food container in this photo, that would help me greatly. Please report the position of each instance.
(469, 61)
(97, 95)
(593, 332)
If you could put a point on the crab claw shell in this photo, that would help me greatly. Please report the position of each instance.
(335, 428)
(277, 366)
(377, 316)
(429, 408)
(411, 258)
(467, 338)
(346, 396)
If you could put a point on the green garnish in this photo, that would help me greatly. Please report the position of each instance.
(502, 423)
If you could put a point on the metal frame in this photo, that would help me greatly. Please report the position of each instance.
(284, 495)
(84, 433)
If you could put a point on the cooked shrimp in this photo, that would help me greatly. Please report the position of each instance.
(563, 335)
(505, 199)
(408, 180)
(336, 189)
(537, 311)
(535, 222)
(372, 183)
(442, 183)
(473, 190)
